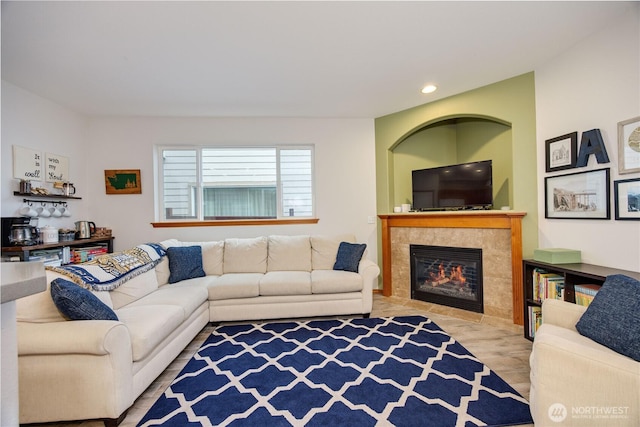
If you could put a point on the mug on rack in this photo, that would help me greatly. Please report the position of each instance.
(43, 212)
(64, 210)
(28, 210)
(55, 212)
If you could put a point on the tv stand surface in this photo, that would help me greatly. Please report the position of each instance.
(455, 208)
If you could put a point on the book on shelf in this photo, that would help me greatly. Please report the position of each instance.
(87, 253)
(535, 319)
(547, 285)
(584, 293)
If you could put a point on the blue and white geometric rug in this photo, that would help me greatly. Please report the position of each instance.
(402, 371)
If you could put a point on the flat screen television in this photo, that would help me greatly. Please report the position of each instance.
(461, 186)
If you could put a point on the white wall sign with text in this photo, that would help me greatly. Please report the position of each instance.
(27, 163)
(56, 168)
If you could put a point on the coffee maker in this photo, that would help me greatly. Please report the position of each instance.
(18, 231)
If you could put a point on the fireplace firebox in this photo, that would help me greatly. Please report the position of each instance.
(447, 276)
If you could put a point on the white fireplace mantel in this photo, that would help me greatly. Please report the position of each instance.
(458, 221)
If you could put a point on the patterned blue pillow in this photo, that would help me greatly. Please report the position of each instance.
(349, 256)
(185, 262)
(613, 317)
(77, 303)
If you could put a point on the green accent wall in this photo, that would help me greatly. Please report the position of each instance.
(494, 122)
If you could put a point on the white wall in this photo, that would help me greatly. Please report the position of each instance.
(344, 159)
(34, 122)
(596, 84)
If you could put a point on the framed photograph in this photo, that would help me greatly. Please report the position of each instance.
(580, 195)
(629, 146)
(118, 181)
(626, 194)
(561, 152)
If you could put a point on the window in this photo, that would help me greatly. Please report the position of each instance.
(211, 183)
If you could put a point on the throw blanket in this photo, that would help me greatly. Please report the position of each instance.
(107, 272)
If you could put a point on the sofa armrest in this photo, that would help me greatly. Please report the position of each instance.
(74, 370)
(561, 313)
(95, 337)
(369, 271)
(570, 369)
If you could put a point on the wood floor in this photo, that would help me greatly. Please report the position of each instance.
(500, 345)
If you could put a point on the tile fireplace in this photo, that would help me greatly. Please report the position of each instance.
(496, 233)
(449, 276)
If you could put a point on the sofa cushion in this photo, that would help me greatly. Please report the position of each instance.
(235, 285)
(613, 318)
(245, 255)
(212, 256)
(289, 253)
(77, 303)
(349, 256)
(325, 248)
(149, 325)
(185, 263)
(335, 281)
(286, 283)
(189, 298)
(134, 289)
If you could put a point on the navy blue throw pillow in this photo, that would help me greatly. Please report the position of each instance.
(185, 262)
(613, 317)
(77, 303)
(349, 256)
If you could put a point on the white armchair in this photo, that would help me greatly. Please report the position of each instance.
(576, 381)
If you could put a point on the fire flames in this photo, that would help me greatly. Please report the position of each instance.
(455, 276)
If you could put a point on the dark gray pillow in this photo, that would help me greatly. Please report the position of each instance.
(185, 262)
(349, 256)
(613, 317)
(77, 303)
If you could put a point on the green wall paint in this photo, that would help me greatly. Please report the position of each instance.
(494, 122)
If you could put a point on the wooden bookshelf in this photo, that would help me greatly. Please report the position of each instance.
(23, 252)
(573, 274)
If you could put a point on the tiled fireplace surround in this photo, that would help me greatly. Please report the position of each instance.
(497, 233)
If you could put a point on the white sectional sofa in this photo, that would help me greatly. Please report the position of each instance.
(95, 369)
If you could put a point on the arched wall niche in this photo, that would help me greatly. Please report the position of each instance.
(510, 103)
(450, 140)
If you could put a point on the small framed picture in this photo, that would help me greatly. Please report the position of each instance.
(561, 152)
(626, 194)
(118, 181)
(629, 146)
(581, 195)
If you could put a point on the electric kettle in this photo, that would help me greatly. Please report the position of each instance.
(84, 229)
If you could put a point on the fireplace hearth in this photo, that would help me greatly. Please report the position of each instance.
(448, 276)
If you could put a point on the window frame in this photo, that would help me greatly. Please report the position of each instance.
(198, 220)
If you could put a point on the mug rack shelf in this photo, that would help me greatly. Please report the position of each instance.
(46, 196)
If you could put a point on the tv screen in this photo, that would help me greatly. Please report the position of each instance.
(462, 186)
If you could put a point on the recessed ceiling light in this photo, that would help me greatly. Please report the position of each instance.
(429, 89)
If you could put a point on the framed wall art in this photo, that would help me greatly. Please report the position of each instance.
(626, 196)
(119, 181)
(56, 168)
(561, 152)
(629, 146)
(580, 195)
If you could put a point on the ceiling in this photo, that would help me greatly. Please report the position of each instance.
(280, 59)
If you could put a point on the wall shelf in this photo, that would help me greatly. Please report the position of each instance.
(46, 196)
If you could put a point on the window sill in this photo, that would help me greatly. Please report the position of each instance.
(235, 222)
